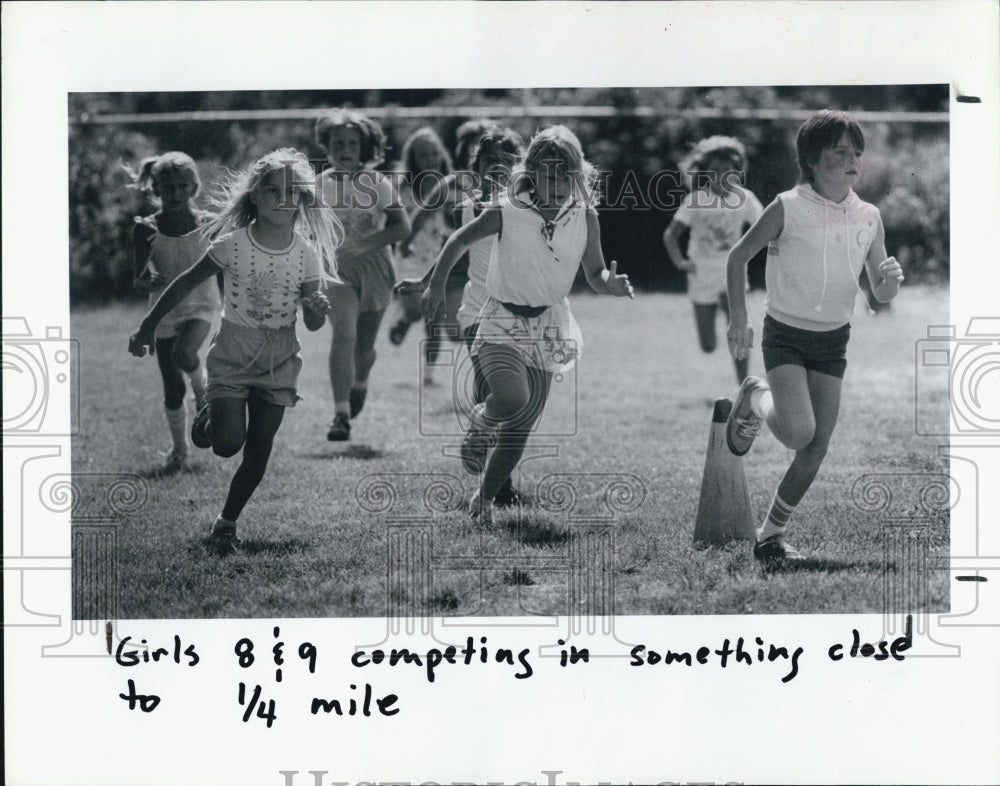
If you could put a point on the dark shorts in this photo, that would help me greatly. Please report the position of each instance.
(823, 351)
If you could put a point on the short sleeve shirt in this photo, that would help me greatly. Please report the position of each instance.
(716, 222)
(262, 285)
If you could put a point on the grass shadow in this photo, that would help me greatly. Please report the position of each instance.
(825, 565)
(351, 451)
(535, 532)
(160, 473)
(248, 547)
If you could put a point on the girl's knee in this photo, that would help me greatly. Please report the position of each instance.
(186, 358)
(799, 437)
(225, 447)
(343, 343)
(509, 405)
(816, 448)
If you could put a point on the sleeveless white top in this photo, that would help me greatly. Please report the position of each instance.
(170, 256)
(534, 262)
(814, 265)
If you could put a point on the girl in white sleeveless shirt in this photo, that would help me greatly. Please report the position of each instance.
(820, 236)
(164, 245)
(544, 231)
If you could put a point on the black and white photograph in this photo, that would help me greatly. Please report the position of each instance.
(515, 393)
(598, 437)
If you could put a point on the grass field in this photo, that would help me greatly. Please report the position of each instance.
(630, 424)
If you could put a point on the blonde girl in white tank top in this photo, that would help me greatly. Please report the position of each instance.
(545, 229)
(165, 244)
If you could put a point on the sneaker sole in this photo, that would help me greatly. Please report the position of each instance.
(731, 422)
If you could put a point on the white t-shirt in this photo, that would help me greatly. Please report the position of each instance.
(716, 224)
(262, 286)
(534, 262)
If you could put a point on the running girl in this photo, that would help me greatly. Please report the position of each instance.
(373, 219)
(494, 157)
(425, 162)
(717, 209)
(274, 251)
(164, 245)
(437, 209)
(820, 236)
(544, 231)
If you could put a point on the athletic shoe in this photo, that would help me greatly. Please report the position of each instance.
(477, 441)
(174, 463)
(774, 550)
(340, 429)
(509, 497)
(480, 511)
(223, 538)
(398, 332)
(743, 425)
(357, 399)
(201, 429)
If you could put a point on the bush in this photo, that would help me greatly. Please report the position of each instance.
(906, 167)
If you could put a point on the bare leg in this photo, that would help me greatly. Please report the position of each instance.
(517, 397)
(704, 320)
(174, 386)
(190, 337)
(263, 422)
(368, 324)
(824, 394)
(343, 317)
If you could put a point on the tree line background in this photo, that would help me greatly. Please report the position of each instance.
(906, 169)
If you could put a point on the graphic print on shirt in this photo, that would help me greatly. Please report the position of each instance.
(259, 290)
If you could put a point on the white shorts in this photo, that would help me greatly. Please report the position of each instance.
(474, 297)
(707, 281)
(551, 341)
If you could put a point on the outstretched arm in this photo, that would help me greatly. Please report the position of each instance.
(172, 296)
(764, 230)
(481, 227)
(604, 280)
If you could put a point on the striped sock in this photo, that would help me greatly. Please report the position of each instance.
(177, 420)
(777, 518)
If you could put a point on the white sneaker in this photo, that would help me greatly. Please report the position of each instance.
(743, 425)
